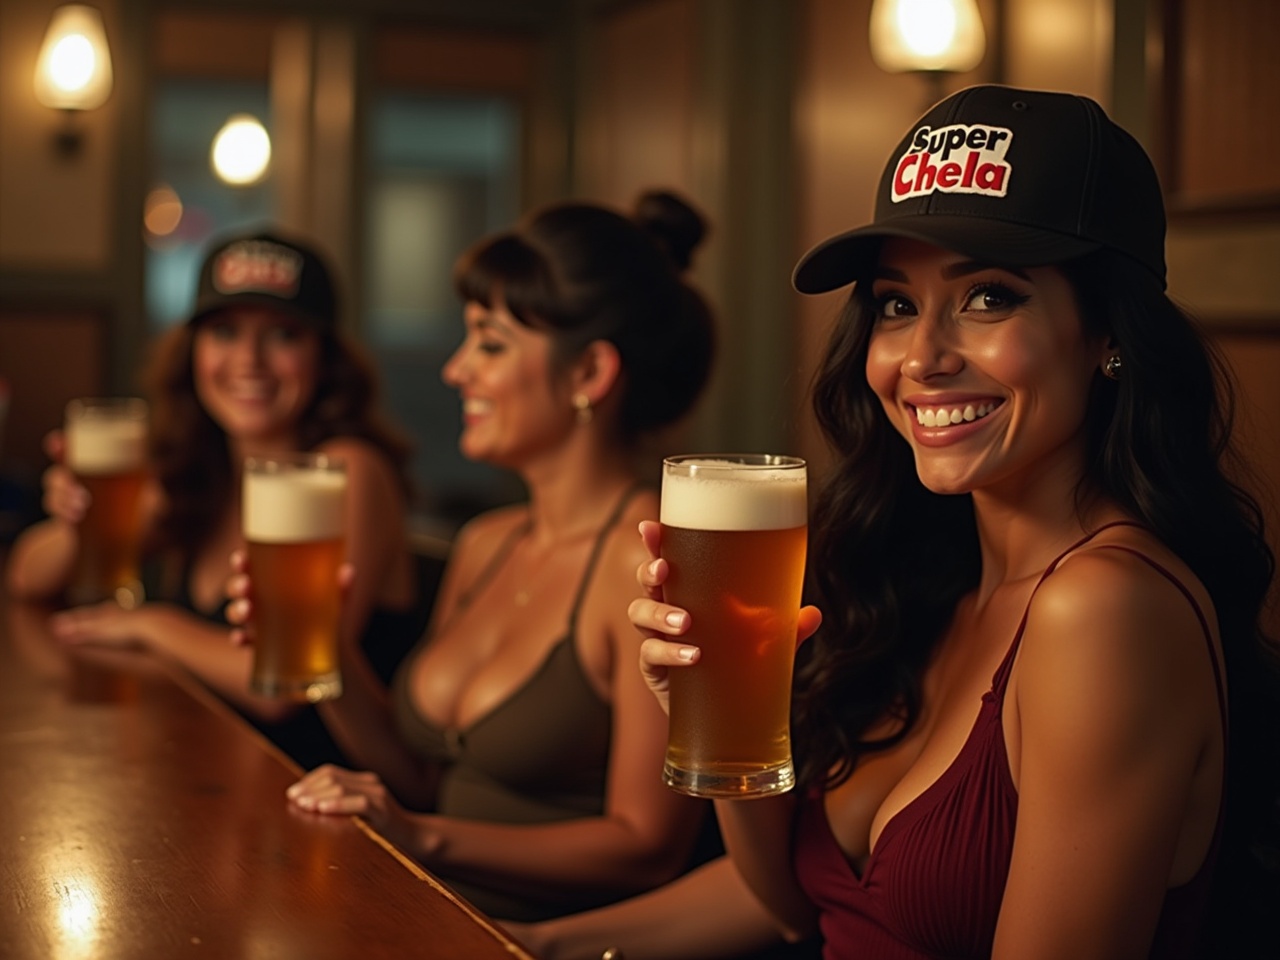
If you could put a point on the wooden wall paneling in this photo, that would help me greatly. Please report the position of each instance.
(441, 58)
(1058, 45)
(1217, 97)
(47, 356)
(221, 44)
(1223, 94)
(696, 96)
(647, 95)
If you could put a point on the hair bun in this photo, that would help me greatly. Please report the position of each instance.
(673, 223)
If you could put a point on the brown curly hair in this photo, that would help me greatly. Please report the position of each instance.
(189, 453)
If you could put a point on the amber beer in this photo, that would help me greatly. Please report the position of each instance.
(734, 531)
(293, 526)
(106, 448)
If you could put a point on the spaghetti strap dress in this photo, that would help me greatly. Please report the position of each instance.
(932, 886)
(540, 756)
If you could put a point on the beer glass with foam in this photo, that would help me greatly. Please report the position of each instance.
(734, 533)
(293, 512)
(106, 448)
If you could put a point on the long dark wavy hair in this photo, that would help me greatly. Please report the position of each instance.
(189, 451)
(583, 272)
(890, 559)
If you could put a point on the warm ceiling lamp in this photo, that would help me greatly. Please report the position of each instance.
(74, 69)
(935, 36)
(241, 151)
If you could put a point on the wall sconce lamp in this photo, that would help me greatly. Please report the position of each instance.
(73, 72)
(930, 37)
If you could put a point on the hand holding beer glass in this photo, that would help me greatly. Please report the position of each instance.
(734, 535)
(294, 508)
(106, 449)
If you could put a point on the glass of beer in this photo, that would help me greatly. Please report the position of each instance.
(293, 527)
(734, 532)
(106, 448)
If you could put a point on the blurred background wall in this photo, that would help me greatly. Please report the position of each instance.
(404, 129)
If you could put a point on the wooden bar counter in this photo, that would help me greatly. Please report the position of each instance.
(140, 818)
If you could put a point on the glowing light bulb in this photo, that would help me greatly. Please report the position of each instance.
(928, 27)
(73, 71)
(241, 150)
(926, 35)
(71, 63)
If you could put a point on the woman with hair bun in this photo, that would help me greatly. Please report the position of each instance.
(517, 752)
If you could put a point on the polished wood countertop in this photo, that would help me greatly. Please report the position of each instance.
(141, 818)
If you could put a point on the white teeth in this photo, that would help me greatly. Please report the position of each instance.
(943, 416)
(475, 406)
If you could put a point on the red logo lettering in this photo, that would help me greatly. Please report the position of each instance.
(956, 159)
(258, 267)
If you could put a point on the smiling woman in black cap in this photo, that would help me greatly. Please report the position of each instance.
(260, 367)
(1029, 725)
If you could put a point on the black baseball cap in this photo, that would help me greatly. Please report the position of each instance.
(267, 270)
(1016, 177)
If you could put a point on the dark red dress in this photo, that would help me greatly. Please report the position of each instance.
(933, 885)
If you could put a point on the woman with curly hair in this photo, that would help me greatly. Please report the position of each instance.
(260, 367)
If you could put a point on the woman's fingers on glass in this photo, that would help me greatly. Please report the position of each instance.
(239, 611)
(807, 625)
(657, 654)
(651, 534)
(652, 574)
(55, 445)
(238, 590)
(653, 616)
(237, 586)
(64, 498)
(657, 657)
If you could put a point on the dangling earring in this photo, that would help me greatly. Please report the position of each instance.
(1112, 366)
(582, 403)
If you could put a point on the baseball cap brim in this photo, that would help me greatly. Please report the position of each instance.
(218, 303)
(843, 258)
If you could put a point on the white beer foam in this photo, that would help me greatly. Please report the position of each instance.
(756, 498)
(293, 506)
(106, 446)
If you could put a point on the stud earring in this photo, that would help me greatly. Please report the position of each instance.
(1112, 366)
(582, 404)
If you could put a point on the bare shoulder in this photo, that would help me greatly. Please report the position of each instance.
(483, 533)
(614, 584)
(624, 551)
(1123, 613)
(609, 642)
(1128, 577)
(471, 549)
(362, 458)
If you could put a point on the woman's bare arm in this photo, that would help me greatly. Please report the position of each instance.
(1115, 745)
(708, 913)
